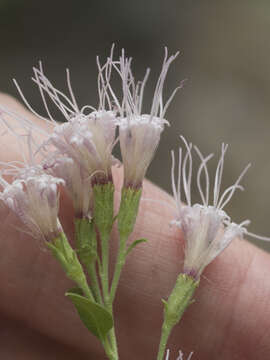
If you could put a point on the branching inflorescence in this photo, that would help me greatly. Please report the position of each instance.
(78, 155)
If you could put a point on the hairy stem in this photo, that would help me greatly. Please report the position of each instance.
(120, 262)
(165, 333)
(174, 308)
(91, 269)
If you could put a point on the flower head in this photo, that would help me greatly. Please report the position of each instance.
(206, 227)
(87, 138)
(140, 133)
(33, 195)
(77, 180)
(35, 200)
(77, 183)
(139, 139)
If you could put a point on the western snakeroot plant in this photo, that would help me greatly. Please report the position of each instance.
(78, 155)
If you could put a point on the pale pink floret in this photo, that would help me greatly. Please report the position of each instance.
(206, 227)
(140, 133)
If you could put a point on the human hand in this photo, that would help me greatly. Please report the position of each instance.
(229, 320)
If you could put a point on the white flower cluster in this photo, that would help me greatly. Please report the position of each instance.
(206, 227)
(78, 153)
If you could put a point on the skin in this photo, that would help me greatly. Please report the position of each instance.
(229, 320)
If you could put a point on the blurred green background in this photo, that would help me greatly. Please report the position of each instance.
(225, 57)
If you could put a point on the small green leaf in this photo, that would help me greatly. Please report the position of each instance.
(165, 304)
(75, 290)
(95, 317)
(135, 243)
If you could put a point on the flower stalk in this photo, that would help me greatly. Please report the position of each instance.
(86, 245)
(103, 220)
(179, 300)
(126, 219)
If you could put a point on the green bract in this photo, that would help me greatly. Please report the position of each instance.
(103, 208)
(86, 242)
(179, 299)
(129, 206)
(174, 307)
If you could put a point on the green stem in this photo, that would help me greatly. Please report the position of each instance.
(112, 338)
(174, 308)
(108, 350)
(126, 219)
(105, 267)
(165, 333)
(105, 289)
(91, 269)
(112, 335)
(68, 258)
(85, 239)
(103, 219)
(85, 288)
(120, 262)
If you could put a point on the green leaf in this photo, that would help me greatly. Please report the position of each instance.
(165, 304)
(135, 243)
(95, 317)
(75, 290)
